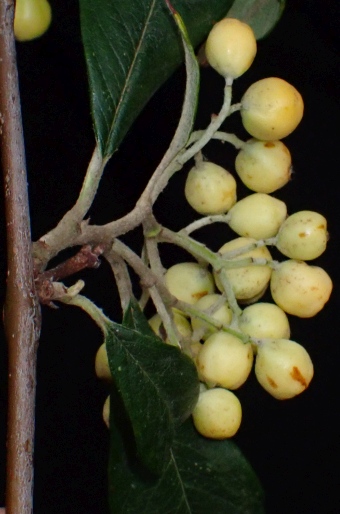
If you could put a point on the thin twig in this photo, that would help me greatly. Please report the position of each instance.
(122, 277)
(21, 315)
(63, 235)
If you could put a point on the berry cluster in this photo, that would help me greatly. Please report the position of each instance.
(219, 320)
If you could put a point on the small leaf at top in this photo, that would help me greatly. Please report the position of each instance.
(202, 476)
(131, 48)
(158, 384)
(261, 15)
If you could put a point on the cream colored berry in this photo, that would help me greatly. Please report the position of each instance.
(224, 360)
(299, 288)
(264, 166)
(181, 323)
(106, 412)
(210, 189)
(283, 368)
(303, 235)
(248, 280)
(222, 314)
(32, 19)
(231, 47)
(102, 364)
(189, 281)
(253, 299)
(271, 109)
(257, 215)
(264, 320)
(218, 414)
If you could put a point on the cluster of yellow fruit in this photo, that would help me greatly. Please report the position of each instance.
(225, 331)
(270, 110)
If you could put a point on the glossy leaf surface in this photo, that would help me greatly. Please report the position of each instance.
(131, 48)
(261, 15)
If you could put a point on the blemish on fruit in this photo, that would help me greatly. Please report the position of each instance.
(296, 375)
(199, 295)
(269, 144)
(271, 382)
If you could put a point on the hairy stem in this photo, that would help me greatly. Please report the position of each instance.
(214, 125)
(203, 222)
(21, 314)
(91, 309)
(225, 137)
(122, 277)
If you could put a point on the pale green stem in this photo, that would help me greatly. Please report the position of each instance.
(64, 234)
(144, 298)
(249, 247)
(92, 310)
(203, 222)
(166, 316)
(199, 332)
(225, 137)
(228, 290)
(151, 246)
(91, 182)
(214, 125)
(216, 260)
(122, 277)
(192, 311)
(235, 108)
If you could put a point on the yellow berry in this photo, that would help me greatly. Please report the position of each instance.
(271, 109)
(32, 19)
(231, 47)
(223, 314)
(218, 414)
(102, 364)
(264, 321)
(224, 360)
(300, 289)
(210, 189)
(189, 281)
(264, 166)
(106, 412)
(283, 368)
(303, 236)
(182, 324)
(250, 280)
(258, 215)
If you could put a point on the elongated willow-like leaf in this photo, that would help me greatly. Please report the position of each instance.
(131, 48)
(201, 476)
(261, 15)
(158, 385)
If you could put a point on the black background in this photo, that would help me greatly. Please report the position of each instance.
(292, 445)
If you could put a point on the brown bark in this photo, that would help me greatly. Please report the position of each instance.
(21, 314)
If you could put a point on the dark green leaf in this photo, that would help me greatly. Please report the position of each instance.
(131, 48)
(158, 385)
(202, 476)
(261, 15)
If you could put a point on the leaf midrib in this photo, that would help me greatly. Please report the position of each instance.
(138, 47)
